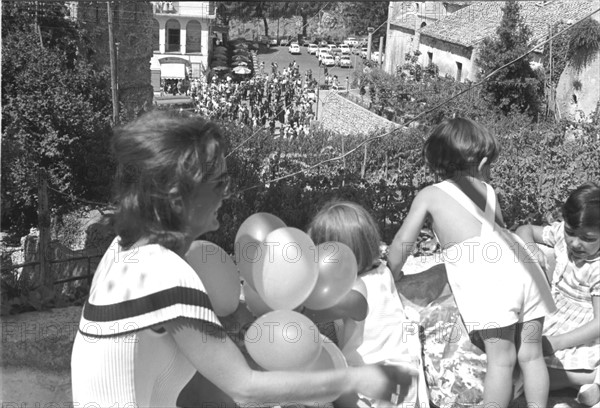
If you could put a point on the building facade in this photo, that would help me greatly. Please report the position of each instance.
(132, 21)
(182, 40)
(406, 19)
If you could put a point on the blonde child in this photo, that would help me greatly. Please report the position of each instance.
(371, 324)
(501, 293)
(571, 334)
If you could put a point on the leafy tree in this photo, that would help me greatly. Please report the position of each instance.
(245, 11)
(584, 43)
(56, 113)
(304, 9)
(362, 14)
(517, 85)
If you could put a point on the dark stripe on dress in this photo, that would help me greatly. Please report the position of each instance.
(146, 304)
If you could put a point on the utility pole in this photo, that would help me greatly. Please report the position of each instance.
(380, 50)
(113, 66)
(37, 25)
(46, 278)
(369, 42)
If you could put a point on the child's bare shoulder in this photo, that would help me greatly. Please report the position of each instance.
(428, 193)
(426, 196)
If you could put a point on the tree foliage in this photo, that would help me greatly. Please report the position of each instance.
(584, 43)
(517, 86)
(360, 15)
(56, 112)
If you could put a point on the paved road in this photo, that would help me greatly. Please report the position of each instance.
(305, 61)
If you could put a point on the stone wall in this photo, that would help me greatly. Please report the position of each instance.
(340, 115)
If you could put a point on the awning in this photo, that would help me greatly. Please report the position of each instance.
(172, 71)
(177, 100)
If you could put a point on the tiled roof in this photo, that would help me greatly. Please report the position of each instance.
(403, 13)
(472, 24)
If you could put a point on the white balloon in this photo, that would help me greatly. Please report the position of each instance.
(287, 271)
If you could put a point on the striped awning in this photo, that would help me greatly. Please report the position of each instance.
(172, 71)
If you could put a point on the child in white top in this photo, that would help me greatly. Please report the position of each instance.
(501, 292)
(371, 323)
(571, 336)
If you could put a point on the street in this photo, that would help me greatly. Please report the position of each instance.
(305, 61)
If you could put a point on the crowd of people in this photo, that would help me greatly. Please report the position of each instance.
(281, 101)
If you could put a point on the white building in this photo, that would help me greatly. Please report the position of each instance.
(182, 39)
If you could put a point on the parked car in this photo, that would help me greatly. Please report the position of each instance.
(294, 48)
(321, 52)
(375, 56)
(363, 52)
(351, 41)
(322, 43)
(328, 60)
(313, 49)
(345, 62)
(345, 49)
(272, 41)
(284, 42)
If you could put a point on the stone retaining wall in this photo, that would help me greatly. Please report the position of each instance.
(340, 115)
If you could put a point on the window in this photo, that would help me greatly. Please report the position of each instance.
(173, 31)
(430, 56)
(458, 71)
(423, 24)
(173, 39)
(193, 37)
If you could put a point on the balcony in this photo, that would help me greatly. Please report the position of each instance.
(205, 9)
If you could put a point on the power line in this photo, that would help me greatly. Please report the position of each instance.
(370, 139)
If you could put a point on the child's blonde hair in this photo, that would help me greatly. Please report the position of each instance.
(350, 224)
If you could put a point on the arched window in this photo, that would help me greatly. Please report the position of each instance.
(194, 37)
(155, 35)
(173, 31)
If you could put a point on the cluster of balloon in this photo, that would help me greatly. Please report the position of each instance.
(283, 270)
(218, 274)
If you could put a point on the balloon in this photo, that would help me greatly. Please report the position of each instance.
(251, 233)
(287, 272)
(337, 273)
(253, 301)
(283, 340)
(218, 274)
(331, 357)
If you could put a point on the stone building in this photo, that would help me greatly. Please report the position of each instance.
(405, 21)
(182, 39)
(132, 33)
(450, 36)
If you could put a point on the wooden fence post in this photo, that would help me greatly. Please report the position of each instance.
(46, 278)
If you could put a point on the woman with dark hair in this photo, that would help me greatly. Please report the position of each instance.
(148, 324)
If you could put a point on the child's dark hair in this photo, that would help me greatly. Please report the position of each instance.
(582, 208)
(161, 159)
(459, 144)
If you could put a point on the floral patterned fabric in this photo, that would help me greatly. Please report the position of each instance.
(454, 367)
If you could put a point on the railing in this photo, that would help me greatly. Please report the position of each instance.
(87, 276)
(195, 8)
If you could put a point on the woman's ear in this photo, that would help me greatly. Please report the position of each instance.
(176, 200)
